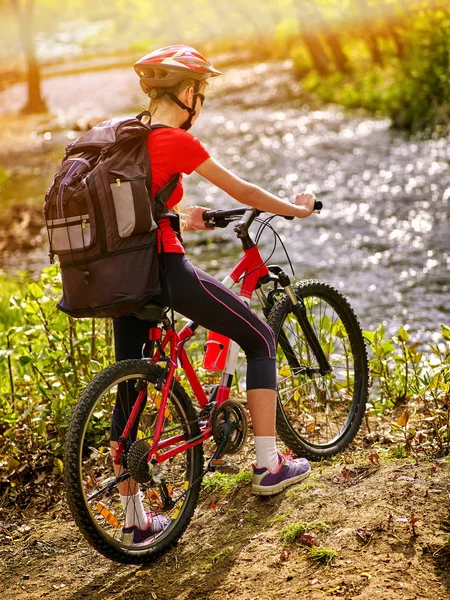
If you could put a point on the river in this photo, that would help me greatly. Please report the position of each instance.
(383, 236)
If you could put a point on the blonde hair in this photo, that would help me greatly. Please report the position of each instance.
(154, 103)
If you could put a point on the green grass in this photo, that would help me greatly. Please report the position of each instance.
(252, 519)
(221, 556)
(293, 532)
(322, 555)
(398, 451)
(221, 482)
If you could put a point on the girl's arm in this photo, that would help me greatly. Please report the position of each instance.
(252, 195)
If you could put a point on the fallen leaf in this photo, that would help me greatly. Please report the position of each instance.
(374, 458)
(307, 539)
(368, 575)
(364, 533)
(403, 419)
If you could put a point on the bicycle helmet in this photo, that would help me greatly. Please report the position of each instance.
(163, 69)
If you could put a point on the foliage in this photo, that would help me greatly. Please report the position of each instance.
(45, 360)
(406, 373)
(399, 66)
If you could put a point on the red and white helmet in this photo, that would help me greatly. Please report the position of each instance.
(168, 66)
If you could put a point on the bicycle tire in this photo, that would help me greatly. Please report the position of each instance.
(89, 466)
(306, 399)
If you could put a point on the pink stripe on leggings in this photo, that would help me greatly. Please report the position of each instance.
(234, 312)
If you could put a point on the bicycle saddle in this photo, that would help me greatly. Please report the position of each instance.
(152, 311)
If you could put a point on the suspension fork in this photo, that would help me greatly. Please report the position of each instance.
(298, 308)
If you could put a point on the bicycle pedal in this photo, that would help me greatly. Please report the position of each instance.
(224, 466)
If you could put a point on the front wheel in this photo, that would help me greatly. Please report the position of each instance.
(93, 481)
(319, 414)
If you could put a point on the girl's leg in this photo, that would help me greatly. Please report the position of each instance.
(205, 300)
(130, 334)
(262, 405)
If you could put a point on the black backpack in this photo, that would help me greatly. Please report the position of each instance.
(102, 220)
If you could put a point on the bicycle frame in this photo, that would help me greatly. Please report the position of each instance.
(249, 270)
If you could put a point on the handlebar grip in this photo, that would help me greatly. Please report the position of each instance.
(318, 205)
(207, 215)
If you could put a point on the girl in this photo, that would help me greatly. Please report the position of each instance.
(175, 79)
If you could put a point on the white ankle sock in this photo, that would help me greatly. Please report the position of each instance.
(134, 511)
(266, 452)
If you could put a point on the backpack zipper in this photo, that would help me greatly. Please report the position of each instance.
(99, 224)
(82, 221)
(60, 203)
(119, 181)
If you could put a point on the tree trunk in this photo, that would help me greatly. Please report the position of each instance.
(310, 21)
(25, 18)
(317, 53)
(400, 46)
(375, 52)
(339, 55)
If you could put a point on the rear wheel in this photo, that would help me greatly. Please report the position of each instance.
(319, 415)
(91, 478)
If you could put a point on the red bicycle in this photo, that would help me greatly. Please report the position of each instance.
(322, 393)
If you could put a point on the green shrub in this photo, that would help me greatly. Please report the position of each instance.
(46, 359)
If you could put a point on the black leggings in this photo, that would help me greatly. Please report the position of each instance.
(200, 297)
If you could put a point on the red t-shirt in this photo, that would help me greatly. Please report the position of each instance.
(171, 151)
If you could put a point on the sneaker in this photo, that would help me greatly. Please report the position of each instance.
(290, 471)
(155, 524)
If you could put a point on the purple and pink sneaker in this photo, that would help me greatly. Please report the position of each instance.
(289, 472)
(155, 524)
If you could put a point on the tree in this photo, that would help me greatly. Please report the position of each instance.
(25, 17)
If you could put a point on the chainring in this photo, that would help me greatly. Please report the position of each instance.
(137, 461)
(231, 411)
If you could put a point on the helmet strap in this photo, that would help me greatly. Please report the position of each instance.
(191, 110)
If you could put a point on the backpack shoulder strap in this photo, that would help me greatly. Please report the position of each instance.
(163, 194)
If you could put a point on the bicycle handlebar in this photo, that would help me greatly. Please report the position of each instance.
(222, 218)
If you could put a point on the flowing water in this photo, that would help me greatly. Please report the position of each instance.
(383, 236)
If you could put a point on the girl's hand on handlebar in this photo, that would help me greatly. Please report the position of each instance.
(194, 218)
(306, 201)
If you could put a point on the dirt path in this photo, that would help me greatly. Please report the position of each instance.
(233, 550)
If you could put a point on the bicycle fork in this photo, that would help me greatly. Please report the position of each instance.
(298, 308)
